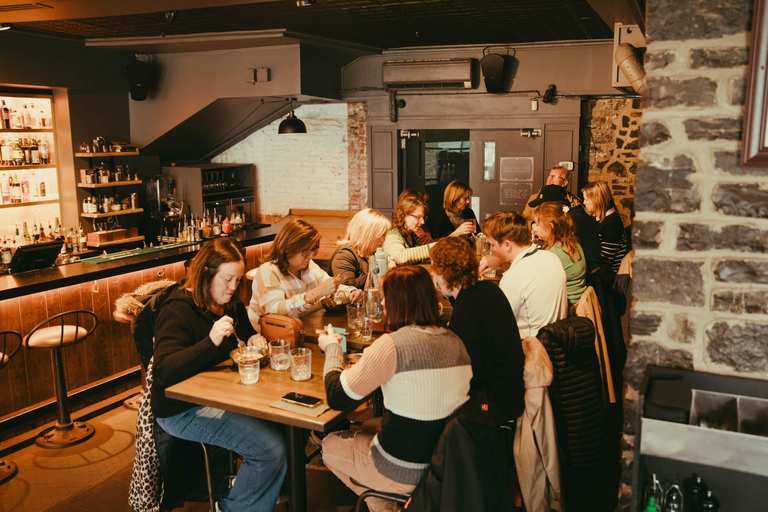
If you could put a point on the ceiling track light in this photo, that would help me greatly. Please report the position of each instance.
(304, 3)
(5, 26)
(292, 124)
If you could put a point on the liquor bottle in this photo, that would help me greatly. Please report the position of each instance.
(3, 155)
(16, 122)
(18, 153)
(25, 196)
(26, 151)
(83, 239)
(33, 119)
(6, 117)
(216, 227)
(44, 121)
(16, 189)
(56, 227)
(71, 240)
(226, 228)
(26, 235)
(43, 147)
(50, 232)
(6, 188)
(26, 119)
(41, 233)
(34, 153)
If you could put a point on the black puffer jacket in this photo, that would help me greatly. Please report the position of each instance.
(575, 391)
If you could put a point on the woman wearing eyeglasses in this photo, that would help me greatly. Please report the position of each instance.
(289, 282)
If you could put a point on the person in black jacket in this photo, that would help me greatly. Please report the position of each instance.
(457, 218)
(197, 327)
(483, 319)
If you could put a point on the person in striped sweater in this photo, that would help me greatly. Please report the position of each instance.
(598, 201)
(424, 373)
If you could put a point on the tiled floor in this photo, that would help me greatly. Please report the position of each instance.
(94, 476)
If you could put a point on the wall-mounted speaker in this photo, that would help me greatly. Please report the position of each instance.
(141, 77)
(495, 70)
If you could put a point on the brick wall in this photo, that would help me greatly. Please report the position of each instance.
(611, 131)
(324, 168)
(701, 230)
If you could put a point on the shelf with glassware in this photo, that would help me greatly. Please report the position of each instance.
(29, 174)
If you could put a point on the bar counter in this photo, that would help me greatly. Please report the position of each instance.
(24, 283)
(104, 364)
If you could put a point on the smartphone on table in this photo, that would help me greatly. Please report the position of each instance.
(303, 400)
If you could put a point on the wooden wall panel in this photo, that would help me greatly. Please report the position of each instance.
(14, 393)
(100, 353)
(74, 357)
(123, 349)
(39, 367)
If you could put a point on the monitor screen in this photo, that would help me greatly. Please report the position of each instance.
(35, 256)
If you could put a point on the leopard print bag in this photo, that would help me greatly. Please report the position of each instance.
(146, 491)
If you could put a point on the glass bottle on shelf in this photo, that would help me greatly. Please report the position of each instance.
(18, 153)
(34, 153)
(83, 239)
(56, 227)
(33, 119)
(6, 189)
(4, 158)
(16, 189)
(43, 148)
(25, 195)
(26, 119)
(6, 113)
(26, 235)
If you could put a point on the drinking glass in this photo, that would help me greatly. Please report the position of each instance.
(279, 356)
(366, 330)
(301, 364)
(249, 370)
(355, 317)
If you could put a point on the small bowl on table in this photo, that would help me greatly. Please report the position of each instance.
(250, 352)
(335, 306)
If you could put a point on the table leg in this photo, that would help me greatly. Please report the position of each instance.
(297, 472)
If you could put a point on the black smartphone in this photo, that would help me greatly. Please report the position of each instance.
(299, 399)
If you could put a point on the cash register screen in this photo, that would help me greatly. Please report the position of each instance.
(35, 256)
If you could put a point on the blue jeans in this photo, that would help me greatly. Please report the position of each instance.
(261, 444)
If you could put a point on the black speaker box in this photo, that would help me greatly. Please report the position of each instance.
(495, 69)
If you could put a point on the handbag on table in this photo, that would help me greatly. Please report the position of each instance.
(281, 327)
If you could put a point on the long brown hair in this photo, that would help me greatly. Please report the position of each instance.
(205, 265)
(455, 192)
(561, 225)
(602, 199)
(294, 237)
(410, 297)
(406, 206)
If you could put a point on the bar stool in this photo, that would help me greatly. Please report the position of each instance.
(65, 432)
(7, 468)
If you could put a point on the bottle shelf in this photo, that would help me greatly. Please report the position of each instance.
(110, 184)
(26, 130)
(29, 203)
(25, 167)
(111, 214)
(111, 153)
(118, 242)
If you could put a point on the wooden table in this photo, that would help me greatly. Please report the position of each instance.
(220, 387)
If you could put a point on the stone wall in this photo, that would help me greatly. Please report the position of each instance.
(610, 130)
(701, 230)
(325, 168)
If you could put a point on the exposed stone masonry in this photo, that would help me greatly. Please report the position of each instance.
(701, 231)
(611, 132)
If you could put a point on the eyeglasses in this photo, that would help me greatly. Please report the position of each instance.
(556, 176)
(418, 217)
(310, 252)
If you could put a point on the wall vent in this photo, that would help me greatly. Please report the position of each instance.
(399, 75)
(24, 7)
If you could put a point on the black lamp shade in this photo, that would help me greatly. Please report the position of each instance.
(292, 124)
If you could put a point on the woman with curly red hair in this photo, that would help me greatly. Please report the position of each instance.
(483, 319)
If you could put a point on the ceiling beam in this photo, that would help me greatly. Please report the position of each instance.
(626, 12)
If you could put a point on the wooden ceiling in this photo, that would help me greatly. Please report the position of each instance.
(381, 24)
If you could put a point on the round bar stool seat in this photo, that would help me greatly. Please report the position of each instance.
(7, 468)
(54, 338)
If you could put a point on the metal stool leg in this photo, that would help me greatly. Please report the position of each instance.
(7, 470)
(208, 479)
(65, 432)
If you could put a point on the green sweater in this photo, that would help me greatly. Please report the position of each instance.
(396, 246)
(575, 271)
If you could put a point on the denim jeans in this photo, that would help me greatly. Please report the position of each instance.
(260, 443)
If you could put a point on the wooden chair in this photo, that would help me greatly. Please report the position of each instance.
(7, 468)
(54, 338)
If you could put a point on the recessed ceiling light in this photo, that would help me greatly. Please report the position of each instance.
(304, 3)
(5, 26)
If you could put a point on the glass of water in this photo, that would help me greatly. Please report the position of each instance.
(301, 364)
(279, 355)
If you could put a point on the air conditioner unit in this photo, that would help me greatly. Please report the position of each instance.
(399, 75)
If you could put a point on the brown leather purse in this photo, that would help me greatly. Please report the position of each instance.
(281, 327)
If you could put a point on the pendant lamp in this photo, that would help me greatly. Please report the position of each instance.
(292, 124)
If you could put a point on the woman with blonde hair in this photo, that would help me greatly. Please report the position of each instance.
(365, 234)
(457, 218)
(598, 201)
(557, 233)
(289, 282)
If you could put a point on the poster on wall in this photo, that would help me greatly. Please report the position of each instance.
(514, 193)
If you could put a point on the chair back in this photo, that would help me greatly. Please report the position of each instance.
(80, 319)
(5, 357)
